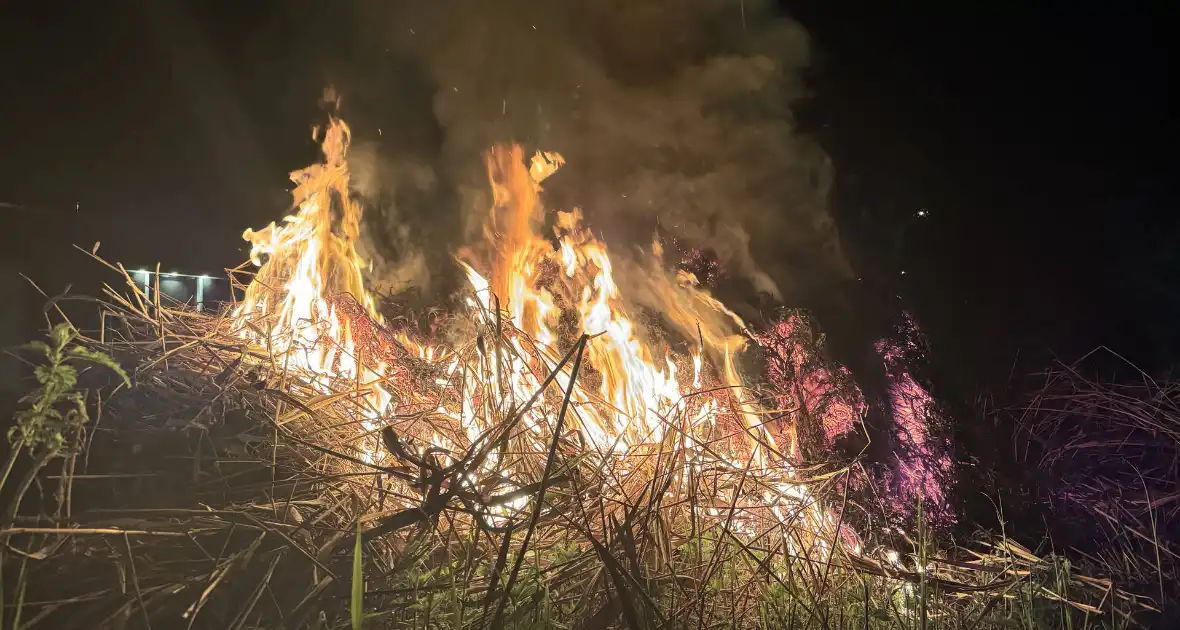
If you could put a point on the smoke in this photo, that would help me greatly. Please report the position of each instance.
(673, 113)
(387, 240)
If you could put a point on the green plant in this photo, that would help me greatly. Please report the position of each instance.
(56, 406)
(56, 409)
(357, 601)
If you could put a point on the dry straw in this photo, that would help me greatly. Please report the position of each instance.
(226, 490)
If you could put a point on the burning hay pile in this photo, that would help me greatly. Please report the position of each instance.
(294, 461)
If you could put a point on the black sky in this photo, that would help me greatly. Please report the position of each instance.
(1038, 138)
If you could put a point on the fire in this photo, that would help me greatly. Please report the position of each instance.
(531, 298)
(306, 266)
(540, 280)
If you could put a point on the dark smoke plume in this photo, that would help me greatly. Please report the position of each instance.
(669, 112)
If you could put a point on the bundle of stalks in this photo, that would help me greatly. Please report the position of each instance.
(227, 489)
(1111, 453)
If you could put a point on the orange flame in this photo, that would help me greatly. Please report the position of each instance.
(634, 398)
(305, 266)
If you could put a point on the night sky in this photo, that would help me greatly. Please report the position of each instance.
(1036, 139)
(1037, 136)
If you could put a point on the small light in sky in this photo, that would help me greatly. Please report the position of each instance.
(903, 272)
(923, 213)
(77, 206)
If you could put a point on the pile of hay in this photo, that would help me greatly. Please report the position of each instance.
(224, 490)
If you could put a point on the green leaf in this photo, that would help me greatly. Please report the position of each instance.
(79, 401)
(65, 377)
(56, 377)
(40, 347)
(61, 335)
(30, 396)
(98, 358)
(56, 409)
(33, 415)
(43, 373)
(358, 582)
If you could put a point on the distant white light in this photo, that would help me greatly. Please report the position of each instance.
(903, 272)
(923, 213)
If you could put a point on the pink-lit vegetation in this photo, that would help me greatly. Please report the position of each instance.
(823, 397)
(1109, 456)
(923, 463)
(825, 404)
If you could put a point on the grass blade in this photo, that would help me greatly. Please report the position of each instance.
(358, 583)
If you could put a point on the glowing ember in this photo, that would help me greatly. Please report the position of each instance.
(702, 265)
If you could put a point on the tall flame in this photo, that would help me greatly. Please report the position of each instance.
(307, 266)
(539, 282)
(307, 305)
